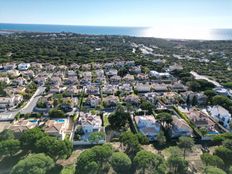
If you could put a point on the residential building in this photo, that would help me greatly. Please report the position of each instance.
(160, 87)
(142, 88)
(128, 78)
(92, 90)
(109, 89)
(125, 89)
(179, 128)
(115, 79)
(56, 127)
(24, 66)
(132, 99)
(18, 127)
(110, 101)
(112, 72)
(201, 120)
(221, 115)
(9, 102)
(90, 123)
(93, 101)
(148, 126)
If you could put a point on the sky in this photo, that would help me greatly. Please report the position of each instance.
(139, 13)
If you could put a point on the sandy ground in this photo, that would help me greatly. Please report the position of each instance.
(4, 125)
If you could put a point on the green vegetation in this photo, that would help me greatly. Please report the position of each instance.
(228, 85)
(2, 91)
(119, 119)
(9, 147)
(56, 113)
(68, 170)
(34, 164)
(6, 134)
(213, 170)
(120, 162)
(200, 85)
(146, 161)
(185, 143)
(223, 101)
(38, 141)
(94, 160)
(95, 137)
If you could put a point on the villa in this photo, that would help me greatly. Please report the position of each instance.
(125, 89)
(56, 127)
(142, 88)
(90, 123)
(93, 101)
(24, 66)
(148, 126)
(132, 99)
(128, 78)
(92, 90)
(110, 101)
(115, 79)
(18, 127)
(112, 72)
(201, 120)
(221, 115)
(179, 128)
(109, 89)
(9, 102)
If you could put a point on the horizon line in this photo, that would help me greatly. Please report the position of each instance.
(77, 25)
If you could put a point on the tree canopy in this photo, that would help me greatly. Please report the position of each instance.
(34, 164)
(56, 113)
(130, 142)
(147, 162)
(9, 147)
(53, 147)
(94, 160)
(119, 119)
(29, 138)
(185, 143)
(6, 134)
(121, 163)
(213, 170)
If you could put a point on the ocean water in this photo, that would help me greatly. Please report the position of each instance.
(177, 33)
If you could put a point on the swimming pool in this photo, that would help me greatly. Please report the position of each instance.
(33, 121)
(60, 120)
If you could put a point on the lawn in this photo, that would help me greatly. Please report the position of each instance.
(106, 121)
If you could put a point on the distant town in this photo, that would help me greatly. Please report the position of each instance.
(153, 102)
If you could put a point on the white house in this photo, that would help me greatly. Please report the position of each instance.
(220, 114)
(23, 66)
(148, 126)
(159, 75)
(90, 123)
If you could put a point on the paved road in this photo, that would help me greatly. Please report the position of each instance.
(197, 76)
(32, 102)
(28, 108)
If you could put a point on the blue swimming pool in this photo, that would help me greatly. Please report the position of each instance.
(60, 120)
(33, 121)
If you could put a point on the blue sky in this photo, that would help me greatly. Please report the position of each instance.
(161, 13)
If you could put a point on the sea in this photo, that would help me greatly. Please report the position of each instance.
(177, 33)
